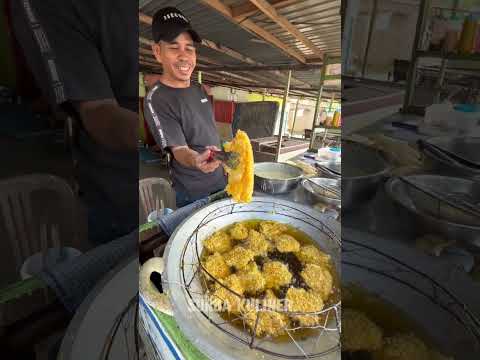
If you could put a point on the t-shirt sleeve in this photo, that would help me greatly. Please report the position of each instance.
(62, 50)
(163, 121)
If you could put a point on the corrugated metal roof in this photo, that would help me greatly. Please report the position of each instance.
(318, 20)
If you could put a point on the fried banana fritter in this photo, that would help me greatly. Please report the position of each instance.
(216, 266)
(219, 242)
(359, 333)
(252, 279)
(402, 347)
(276, 274)
(239, 257)
(286, 243)
(239, 231)
(271, 228)
(319, 279)
(300, 300)
(257, 243)
(310, 254)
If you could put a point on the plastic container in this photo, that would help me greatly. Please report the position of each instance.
(153, 217)
(467, 37)
(54, 256)
(467, 117)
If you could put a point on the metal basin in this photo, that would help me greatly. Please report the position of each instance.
(276, 178)
(431, 224)
(439, 162)
(324, 196)
(363, 171)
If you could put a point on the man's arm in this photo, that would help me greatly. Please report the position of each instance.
(192, 159)
(109, 124)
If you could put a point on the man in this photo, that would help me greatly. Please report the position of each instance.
(179, 113)
(84, 56)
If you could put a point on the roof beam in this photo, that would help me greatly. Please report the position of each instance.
(246, 9)
(300, 67)
(252, 27)
(283, 22)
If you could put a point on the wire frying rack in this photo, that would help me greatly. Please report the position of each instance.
(447, 320)
(324, 323)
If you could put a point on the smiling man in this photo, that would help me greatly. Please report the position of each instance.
(179, 113)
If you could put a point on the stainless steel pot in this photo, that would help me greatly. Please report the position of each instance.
(363, 170)
(324, 196)
(292, 177)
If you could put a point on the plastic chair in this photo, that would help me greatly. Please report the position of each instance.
(153, 191)
(36, 212)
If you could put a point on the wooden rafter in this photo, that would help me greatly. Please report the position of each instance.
(252, 27)
(246, 9)
(283, 22)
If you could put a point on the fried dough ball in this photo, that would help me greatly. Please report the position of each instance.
(218, 242)
(271, 228)
(223, 299)
(402, 347)
(300, 300)
(272, 302)
(257, 243)
(239, 257)
(239, 231)
(276, 274)
(359, 333)
(216, 266)
(319, 279)
(252, 279)
(270, 323)
(286, 243)
(310, 254)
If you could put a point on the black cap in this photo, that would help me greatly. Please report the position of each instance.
(168, 23)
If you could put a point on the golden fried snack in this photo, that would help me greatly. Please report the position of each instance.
(286, 243)
(218, 242)
(239, 257)
(300, 300)
(216, 266)
(402, 347)
(319, 279)
(251, 278)
(276, 274)
(257, 243)
(310, 254)
(271, 228)
(222, 299)
(272, 302)
(359, 332)
(270, 323)
(239, 231)
(240, 179)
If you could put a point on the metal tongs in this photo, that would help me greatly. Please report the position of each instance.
(231, 159)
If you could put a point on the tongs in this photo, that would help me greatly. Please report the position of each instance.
(231, 159)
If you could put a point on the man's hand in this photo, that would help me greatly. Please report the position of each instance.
(190, 158)
(109, 124)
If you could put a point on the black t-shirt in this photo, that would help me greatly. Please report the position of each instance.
(183, 116)
(80, 50)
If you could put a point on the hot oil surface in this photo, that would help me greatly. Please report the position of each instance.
(295, 268)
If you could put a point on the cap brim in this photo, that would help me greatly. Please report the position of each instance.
(177, 30)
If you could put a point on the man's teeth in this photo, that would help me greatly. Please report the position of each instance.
(183, 68)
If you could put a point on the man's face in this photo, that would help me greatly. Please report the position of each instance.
(178, 57)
